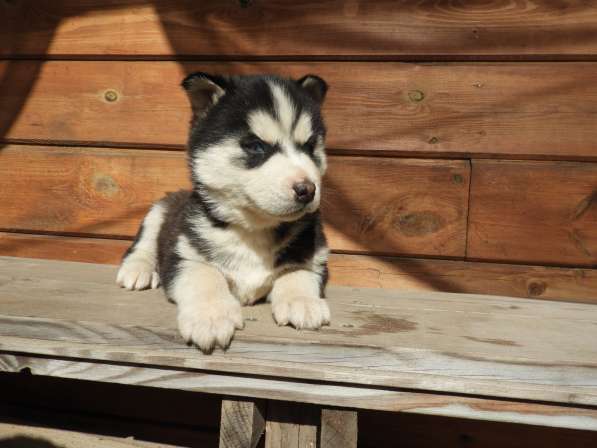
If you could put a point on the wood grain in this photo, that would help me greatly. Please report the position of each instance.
(242, 424)
(309, 392)
(291, 425)
(457, 109)
(534, 212)
(396, 206)
(339, 428)
(457, 344)
(88, 250)
(324, 29)
(549, 283)
(393, 206)
(409, 274)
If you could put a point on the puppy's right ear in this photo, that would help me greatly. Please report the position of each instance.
(204, 91)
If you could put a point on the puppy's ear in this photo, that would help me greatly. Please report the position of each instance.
(204, 91)
(314, 86)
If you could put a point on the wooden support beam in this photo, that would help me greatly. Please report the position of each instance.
(242, 423)
(339, 428)
(291, 425)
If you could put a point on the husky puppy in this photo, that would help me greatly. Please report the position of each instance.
(250, 227)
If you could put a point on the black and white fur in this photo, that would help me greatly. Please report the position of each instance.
(250, 228)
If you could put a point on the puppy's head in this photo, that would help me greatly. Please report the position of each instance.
(257, 145)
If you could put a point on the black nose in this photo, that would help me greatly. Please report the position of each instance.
(304, 191)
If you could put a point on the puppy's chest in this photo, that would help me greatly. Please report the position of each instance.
(248, 265)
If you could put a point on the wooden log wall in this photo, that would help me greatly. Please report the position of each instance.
(461, 135)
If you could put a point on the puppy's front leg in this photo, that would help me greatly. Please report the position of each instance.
(296, 300)
(208, 314)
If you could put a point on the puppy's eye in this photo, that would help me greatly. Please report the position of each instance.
(254, 145)
(309, 145)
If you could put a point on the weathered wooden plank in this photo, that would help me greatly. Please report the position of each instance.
(291, 425)
(53, 247)
(435, 342)
(537, 212)
(395, 206)
(242, 423)
(384, 108)
(548, 283)
(339, 428)
(325, 29)
(361, 271)
(360, 397)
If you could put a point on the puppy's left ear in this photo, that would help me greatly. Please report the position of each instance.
(204, 91)
(314, 86)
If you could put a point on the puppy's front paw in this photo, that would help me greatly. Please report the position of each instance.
(137, 273)
(301, 312)
(208, 323)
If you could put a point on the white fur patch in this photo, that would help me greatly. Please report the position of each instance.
(284, 107)
(208, 314)
(266, 127)
(295, 301)
(303, 128)
(138, 269)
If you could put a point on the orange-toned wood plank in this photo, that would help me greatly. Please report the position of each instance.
(278, 28)
(83, 190)
(515, 110)
(370, 204)
(547, 283)
(53, 247)
(537, 212)
(396, 206)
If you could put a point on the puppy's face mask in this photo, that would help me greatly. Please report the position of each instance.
(257, 144)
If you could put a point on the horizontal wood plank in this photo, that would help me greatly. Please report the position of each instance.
(379, 205)
(325, 29)
(549, 283)
(380, 398)
(431, 342)
(534, 212)
(486, 110)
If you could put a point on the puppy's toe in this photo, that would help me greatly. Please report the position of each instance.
(135, 273)
(302, 312)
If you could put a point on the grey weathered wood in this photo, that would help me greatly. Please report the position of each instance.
(291, 425)
(242, 423)
(339, 428)
(377, 398)
(442, 347)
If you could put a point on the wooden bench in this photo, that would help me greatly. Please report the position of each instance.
(468, 356)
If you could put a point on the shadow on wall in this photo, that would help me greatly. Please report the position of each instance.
(27, 442)
(185, 22)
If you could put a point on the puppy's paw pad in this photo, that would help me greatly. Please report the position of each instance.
(210, 324)
(137, 273)
(301, 312)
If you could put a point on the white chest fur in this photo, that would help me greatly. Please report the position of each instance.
(246, 260)
(248, 265)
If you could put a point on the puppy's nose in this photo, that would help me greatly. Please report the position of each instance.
(304, 191)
